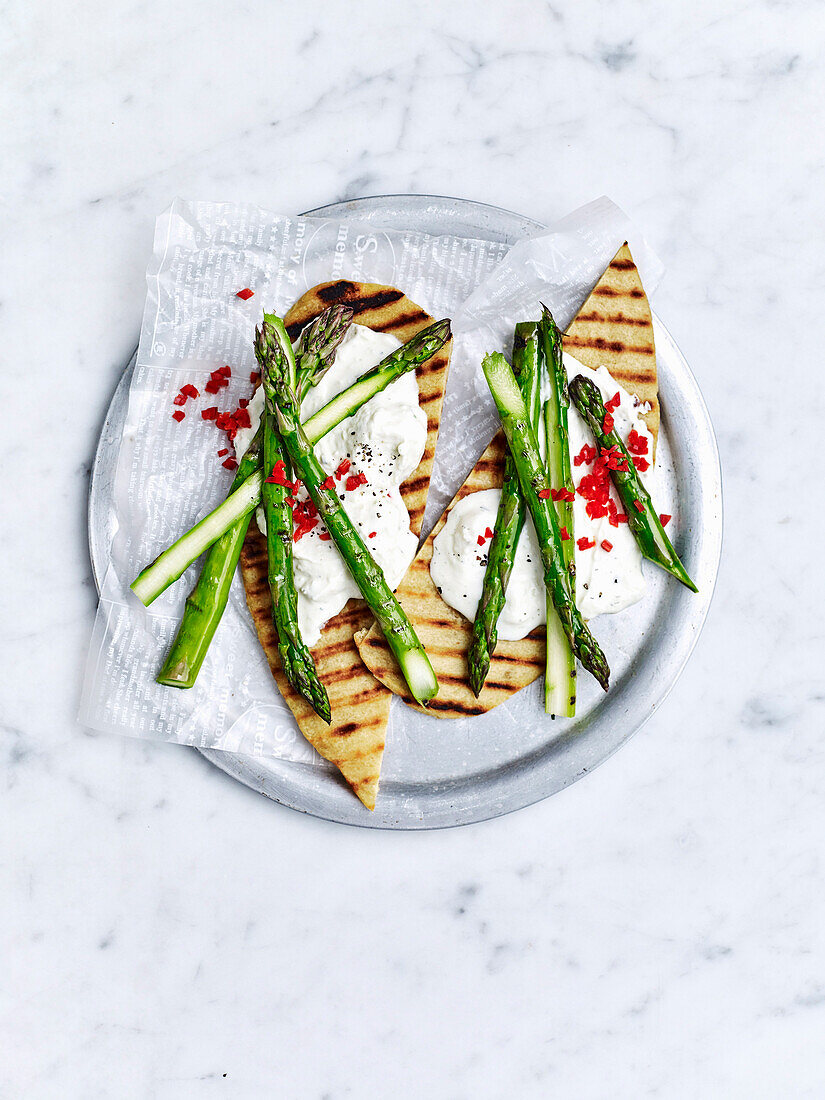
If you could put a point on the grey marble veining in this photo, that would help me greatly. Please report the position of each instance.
(654, 931)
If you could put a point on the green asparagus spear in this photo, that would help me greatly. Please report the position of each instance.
(560, 662)
(318, 343)
(207, 601)
(272, 345)
(169, 565)
(388, 613)
(521, 440)
(641, 515)
(509, 519)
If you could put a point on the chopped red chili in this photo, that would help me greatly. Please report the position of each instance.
(178, 415)
(343, 468)
(640, 463)
(210, 413)
(585, 455)
(180, 399)
(614, 402)
(245, 294)
(325, 536)
(584, 543)
(230, 464)
(636, 443)
(543, 494)
(189, 390)
(665, 519)
(328, 482)
(488, 533)
(565, 534)
(223, 451)
(480, 540)
(254, 376)
(608, 422)
(637, 504)
(608, 546)
(351, 483)
(372, 534)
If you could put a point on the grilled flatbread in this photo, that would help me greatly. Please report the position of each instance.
(354, 741)
(613, 329)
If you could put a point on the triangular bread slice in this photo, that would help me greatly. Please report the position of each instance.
(354, 741)
(613, 329)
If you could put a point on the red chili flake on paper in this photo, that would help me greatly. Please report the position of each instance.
(223, 451)
(328, 483)
(372, 534)
(211, 413)
(637, 504)
(243, 403)
(245, 294)
(565, 534)
(488, 532)
(178, 416)
(584, 543)
(543, 494)
(614, 402)
(212, 386)
(225, 370)
(179, 400)
(189, 390)
(640, 463)
(585, 455)
(636, 443)
(665, 519)
(242, 418)
(607, 546)
(343, 468)
(230, 464)
(608, 422)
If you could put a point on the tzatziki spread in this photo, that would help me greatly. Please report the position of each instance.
(607, 580)
(384, 441)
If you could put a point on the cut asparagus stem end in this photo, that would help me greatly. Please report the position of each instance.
(560, 674)
(419, 674)
(173, 562)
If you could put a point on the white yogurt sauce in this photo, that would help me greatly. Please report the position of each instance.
(606, 581)
(385, 440)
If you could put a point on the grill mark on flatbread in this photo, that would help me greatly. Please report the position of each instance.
(412, 318)
(600, 344)
(611, 292)
(612, 318)
(354, 741)
(594, 338)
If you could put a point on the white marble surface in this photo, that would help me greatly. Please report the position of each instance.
(654, 931)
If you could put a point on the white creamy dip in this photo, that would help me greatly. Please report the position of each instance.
(606, 581)
(384, 440)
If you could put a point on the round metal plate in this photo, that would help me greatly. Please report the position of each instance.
(493, 787)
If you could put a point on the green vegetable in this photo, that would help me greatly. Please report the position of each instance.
(532, 476)
(560, 670)
(509, 519)
(641, 516)
(273, 351)
(388, 613)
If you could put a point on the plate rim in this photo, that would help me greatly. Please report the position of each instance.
(242, 768)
